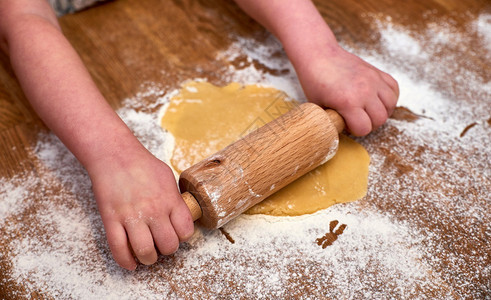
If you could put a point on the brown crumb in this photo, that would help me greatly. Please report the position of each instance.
(467, 129)
(329, 238)
(227, 235)
(241, 62)
(402, 113)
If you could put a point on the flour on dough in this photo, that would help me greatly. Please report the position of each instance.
(204, 119)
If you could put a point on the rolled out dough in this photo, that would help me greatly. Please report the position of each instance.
(204, 118)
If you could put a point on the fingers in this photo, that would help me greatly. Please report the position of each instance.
(361, 121)
(165, 236)
(178, 227)
(357, 121)
(141, 241)
(389, 96)
(118, 243)
(163, 231)
(136, 208)
(144, 233)
(373, 110)
(182, 221)
(377, 112)
(391, 82)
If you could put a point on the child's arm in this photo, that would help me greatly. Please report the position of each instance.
(330, 76)
(136, 193)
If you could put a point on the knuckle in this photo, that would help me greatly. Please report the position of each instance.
(349, 99)
(363, 91)
(150, 209)
(393, 82)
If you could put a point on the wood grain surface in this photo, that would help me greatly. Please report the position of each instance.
(127, 44)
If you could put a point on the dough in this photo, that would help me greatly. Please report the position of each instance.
(341, 179)
(204, 118)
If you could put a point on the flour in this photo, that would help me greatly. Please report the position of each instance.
(483, 27)
(402, 241)
(13, 196)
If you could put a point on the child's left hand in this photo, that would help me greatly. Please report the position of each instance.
(361, 93)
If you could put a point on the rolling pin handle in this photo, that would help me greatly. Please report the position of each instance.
(336, 120)
(193, 205)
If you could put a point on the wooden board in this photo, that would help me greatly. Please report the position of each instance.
(127, 44)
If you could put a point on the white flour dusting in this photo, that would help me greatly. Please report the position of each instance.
(13, 198)
(386, 250)
(483, 27)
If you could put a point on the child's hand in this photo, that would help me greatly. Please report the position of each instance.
(330, 76)
(141, 208)
(361, 93)
(136, 193)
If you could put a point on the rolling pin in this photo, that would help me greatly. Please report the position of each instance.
(227, 183)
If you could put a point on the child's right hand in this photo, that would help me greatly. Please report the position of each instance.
(136, 193)
(141, 208)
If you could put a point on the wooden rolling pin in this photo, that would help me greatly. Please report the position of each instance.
(227, 183)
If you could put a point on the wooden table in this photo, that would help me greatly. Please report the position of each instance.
(127, 44)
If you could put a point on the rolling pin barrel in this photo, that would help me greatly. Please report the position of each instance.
(259, 164)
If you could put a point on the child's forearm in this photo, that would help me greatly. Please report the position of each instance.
(61, 90)
(330, 76)
(297, 24)
(136, 193)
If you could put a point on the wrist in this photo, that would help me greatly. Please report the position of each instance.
(118, 151)
(306, 40)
